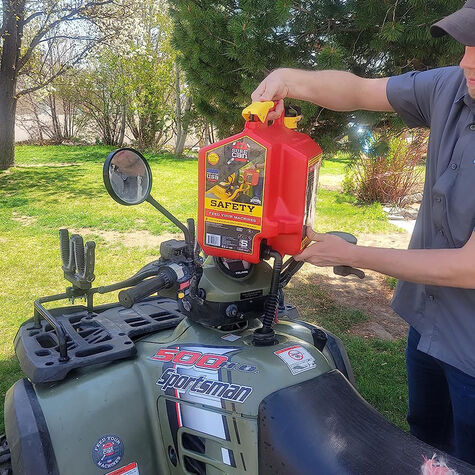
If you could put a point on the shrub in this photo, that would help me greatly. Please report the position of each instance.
(389, 171)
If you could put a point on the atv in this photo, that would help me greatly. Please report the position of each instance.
(201, 367)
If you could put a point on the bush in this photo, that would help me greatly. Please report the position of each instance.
(388, 172)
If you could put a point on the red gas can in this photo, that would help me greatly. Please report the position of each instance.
(257, 185)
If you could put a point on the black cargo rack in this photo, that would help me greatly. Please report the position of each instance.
(105, 333)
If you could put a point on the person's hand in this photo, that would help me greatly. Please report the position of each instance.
(327, 250)
(272, 88)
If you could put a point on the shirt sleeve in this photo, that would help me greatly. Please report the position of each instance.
(410, 96)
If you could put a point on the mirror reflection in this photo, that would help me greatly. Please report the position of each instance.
(129, 176)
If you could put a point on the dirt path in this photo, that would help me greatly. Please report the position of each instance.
(372, 294)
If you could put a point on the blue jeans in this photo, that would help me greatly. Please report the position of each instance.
(441, 402)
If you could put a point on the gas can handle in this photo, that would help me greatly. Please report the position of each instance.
(260, 109)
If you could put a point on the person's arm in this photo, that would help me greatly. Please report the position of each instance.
(335, 90)
(443, 267)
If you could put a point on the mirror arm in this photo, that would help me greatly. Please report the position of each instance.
(170, 216)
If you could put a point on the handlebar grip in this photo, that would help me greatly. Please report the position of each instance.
(128, 297)
(347, 270)
(346, 236)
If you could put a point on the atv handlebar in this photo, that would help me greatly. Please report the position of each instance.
(164, 280)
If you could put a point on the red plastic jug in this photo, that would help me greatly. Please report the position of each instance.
(257, 185)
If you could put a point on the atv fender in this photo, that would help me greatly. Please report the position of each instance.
(27, 433)
(323, 339)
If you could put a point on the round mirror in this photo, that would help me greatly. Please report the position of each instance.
(127, 176)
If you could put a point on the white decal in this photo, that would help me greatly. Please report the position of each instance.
(230, 337)
(130, 469)
(297, 358)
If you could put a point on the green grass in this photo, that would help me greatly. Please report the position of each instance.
(61, 186)
(336, 165)
(392, 282)
(338, 211)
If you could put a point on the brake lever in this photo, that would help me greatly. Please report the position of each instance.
(347, 270)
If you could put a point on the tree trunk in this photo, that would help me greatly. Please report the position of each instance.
(212, 133)
(39, 125)
(123, 116)
(7, 129)
(13, 14)
(57, 132)
(206, 135)
(178, 116)
(180, 140)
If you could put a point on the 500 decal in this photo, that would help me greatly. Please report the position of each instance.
(170, 379)
(200, 360)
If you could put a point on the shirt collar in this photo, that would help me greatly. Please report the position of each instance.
(462, 95)
(462, 92)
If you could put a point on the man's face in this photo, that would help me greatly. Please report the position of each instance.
(468, 66)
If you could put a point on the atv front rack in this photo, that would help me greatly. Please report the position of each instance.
(67, 338)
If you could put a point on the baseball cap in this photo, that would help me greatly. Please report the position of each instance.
(460, 25)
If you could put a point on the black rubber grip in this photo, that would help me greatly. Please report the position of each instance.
(128, 297)
(347, 270)
(78, 246)
(90, 256)
(64, 246)
(346, 236)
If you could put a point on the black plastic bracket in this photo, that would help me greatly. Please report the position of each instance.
(87, 338)
(78, 259)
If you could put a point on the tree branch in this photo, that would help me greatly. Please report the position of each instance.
(45, 28)
(67, 37)
(32, 17)
(58, 73)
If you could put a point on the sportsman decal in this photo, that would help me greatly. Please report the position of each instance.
(196, 378)
(171, 379)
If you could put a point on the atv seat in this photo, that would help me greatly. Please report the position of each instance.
(323, 426)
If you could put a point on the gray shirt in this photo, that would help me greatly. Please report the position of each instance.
(444, 316)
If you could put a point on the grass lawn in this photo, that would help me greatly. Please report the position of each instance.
(61, 186)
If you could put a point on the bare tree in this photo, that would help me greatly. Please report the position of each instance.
(30, 26)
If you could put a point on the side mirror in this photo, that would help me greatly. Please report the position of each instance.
(127, 176)
(128, 180)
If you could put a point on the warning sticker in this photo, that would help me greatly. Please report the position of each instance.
(297, 358)
(130, 469)
(235, 174)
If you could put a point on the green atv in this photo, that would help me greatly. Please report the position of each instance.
(215, 374)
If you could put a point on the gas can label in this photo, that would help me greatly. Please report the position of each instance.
(130, 469)
(311, 196)
(108, 451)
(234, 197)
(297, 358)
